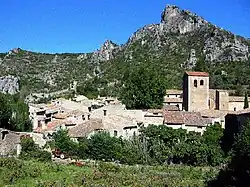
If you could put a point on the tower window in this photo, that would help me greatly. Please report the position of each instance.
(195, 83)
(201, 82)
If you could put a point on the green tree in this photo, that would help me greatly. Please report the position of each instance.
(246, 104)
(31, 151)
(201, 64)
(103, 146)
(237, 172)
(64, 143)
(213, 134)
(5, 112)
(20, 116)
(143, 88)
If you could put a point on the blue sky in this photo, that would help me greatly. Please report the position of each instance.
(83, 25)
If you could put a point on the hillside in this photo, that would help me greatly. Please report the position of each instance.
(182, 40)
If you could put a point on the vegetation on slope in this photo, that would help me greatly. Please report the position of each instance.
(30, 173)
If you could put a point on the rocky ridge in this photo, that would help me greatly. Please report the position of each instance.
(178, 42)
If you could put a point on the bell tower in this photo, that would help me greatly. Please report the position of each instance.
(195, 91)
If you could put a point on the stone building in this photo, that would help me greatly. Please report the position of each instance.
(196, 95)
(195, 91)
(10, 143)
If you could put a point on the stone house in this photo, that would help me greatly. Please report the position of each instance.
(116, 125)
(10, 143)
(174, 98)
(191, 121)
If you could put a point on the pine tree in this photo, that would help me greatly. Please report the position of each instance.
(246, 104)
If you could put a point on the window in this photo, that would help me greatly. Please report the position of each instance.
(195, 83)
(115, 133)
(234, 108)
(201, 82)
(4, 134)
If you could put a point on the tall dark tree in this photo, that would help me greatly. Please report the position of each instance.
(237, 172)
(5, 112)
(246, 104)
(144, 88)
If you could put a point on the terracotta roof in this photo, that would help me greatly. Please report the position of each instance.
(195, 73)
(187, 118)
(68, 114)
(84, 129)
(214, 113)
(237, 99)
(171, 108)
(173, 100)
(61, 115)
(54, 124)
(174, 92)
(155, 111)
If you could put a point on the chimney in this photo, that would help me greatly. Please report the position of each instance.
(105, 112)
(89, 109)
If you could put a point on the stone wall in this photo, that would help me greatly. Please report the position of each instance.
(222, 100)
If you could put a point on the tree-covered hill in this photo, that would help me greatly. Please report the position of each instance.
(182, 40)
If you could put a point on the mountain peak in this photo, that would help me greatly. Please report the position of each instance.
(108, 44)
(182, 21)
(106, 51)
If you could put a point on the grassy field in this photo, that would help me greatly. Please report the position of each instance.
(25, 174)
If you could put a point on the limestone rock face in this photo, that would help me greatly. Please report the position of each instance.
(181, 21)
(9, 84)
(176, 43)
(106, 52)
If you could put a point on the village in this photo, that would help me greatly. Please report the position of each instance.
(194, 108)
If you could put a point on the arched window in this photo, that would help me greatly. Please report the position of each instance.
(195, 83)
(201, 82)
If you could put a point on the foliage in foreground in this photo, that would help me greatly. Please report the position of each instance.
(31, 151)
(29, 173)
(236, 173)
(156, 145)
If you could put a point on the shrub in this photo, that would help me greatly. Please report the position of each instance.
(31, 151)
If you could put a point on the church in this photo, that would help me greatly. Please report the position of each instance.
(197, 105)
(196, 95)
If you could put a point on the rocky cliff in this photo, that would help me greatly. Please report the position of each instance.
(9, 84)
(181, 40)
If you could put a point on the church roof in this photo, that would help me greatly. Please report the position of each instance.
(195, 73)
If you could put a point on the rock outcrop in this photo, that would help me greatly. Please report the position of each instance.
(181, 21)
(106, 52)
(177, 42)
(9, 84)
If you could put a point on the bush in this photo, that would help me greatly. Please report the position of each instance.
(31, 151)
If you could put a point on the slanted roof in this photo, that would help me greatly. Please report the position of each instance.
(171, 108)
(65, 115)
(155, 111)
(183, 117)
(84, 129)
(241, 112)
(214, 113)
(196, 73)
(173, 100)
(174, 92)
(237, 99)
